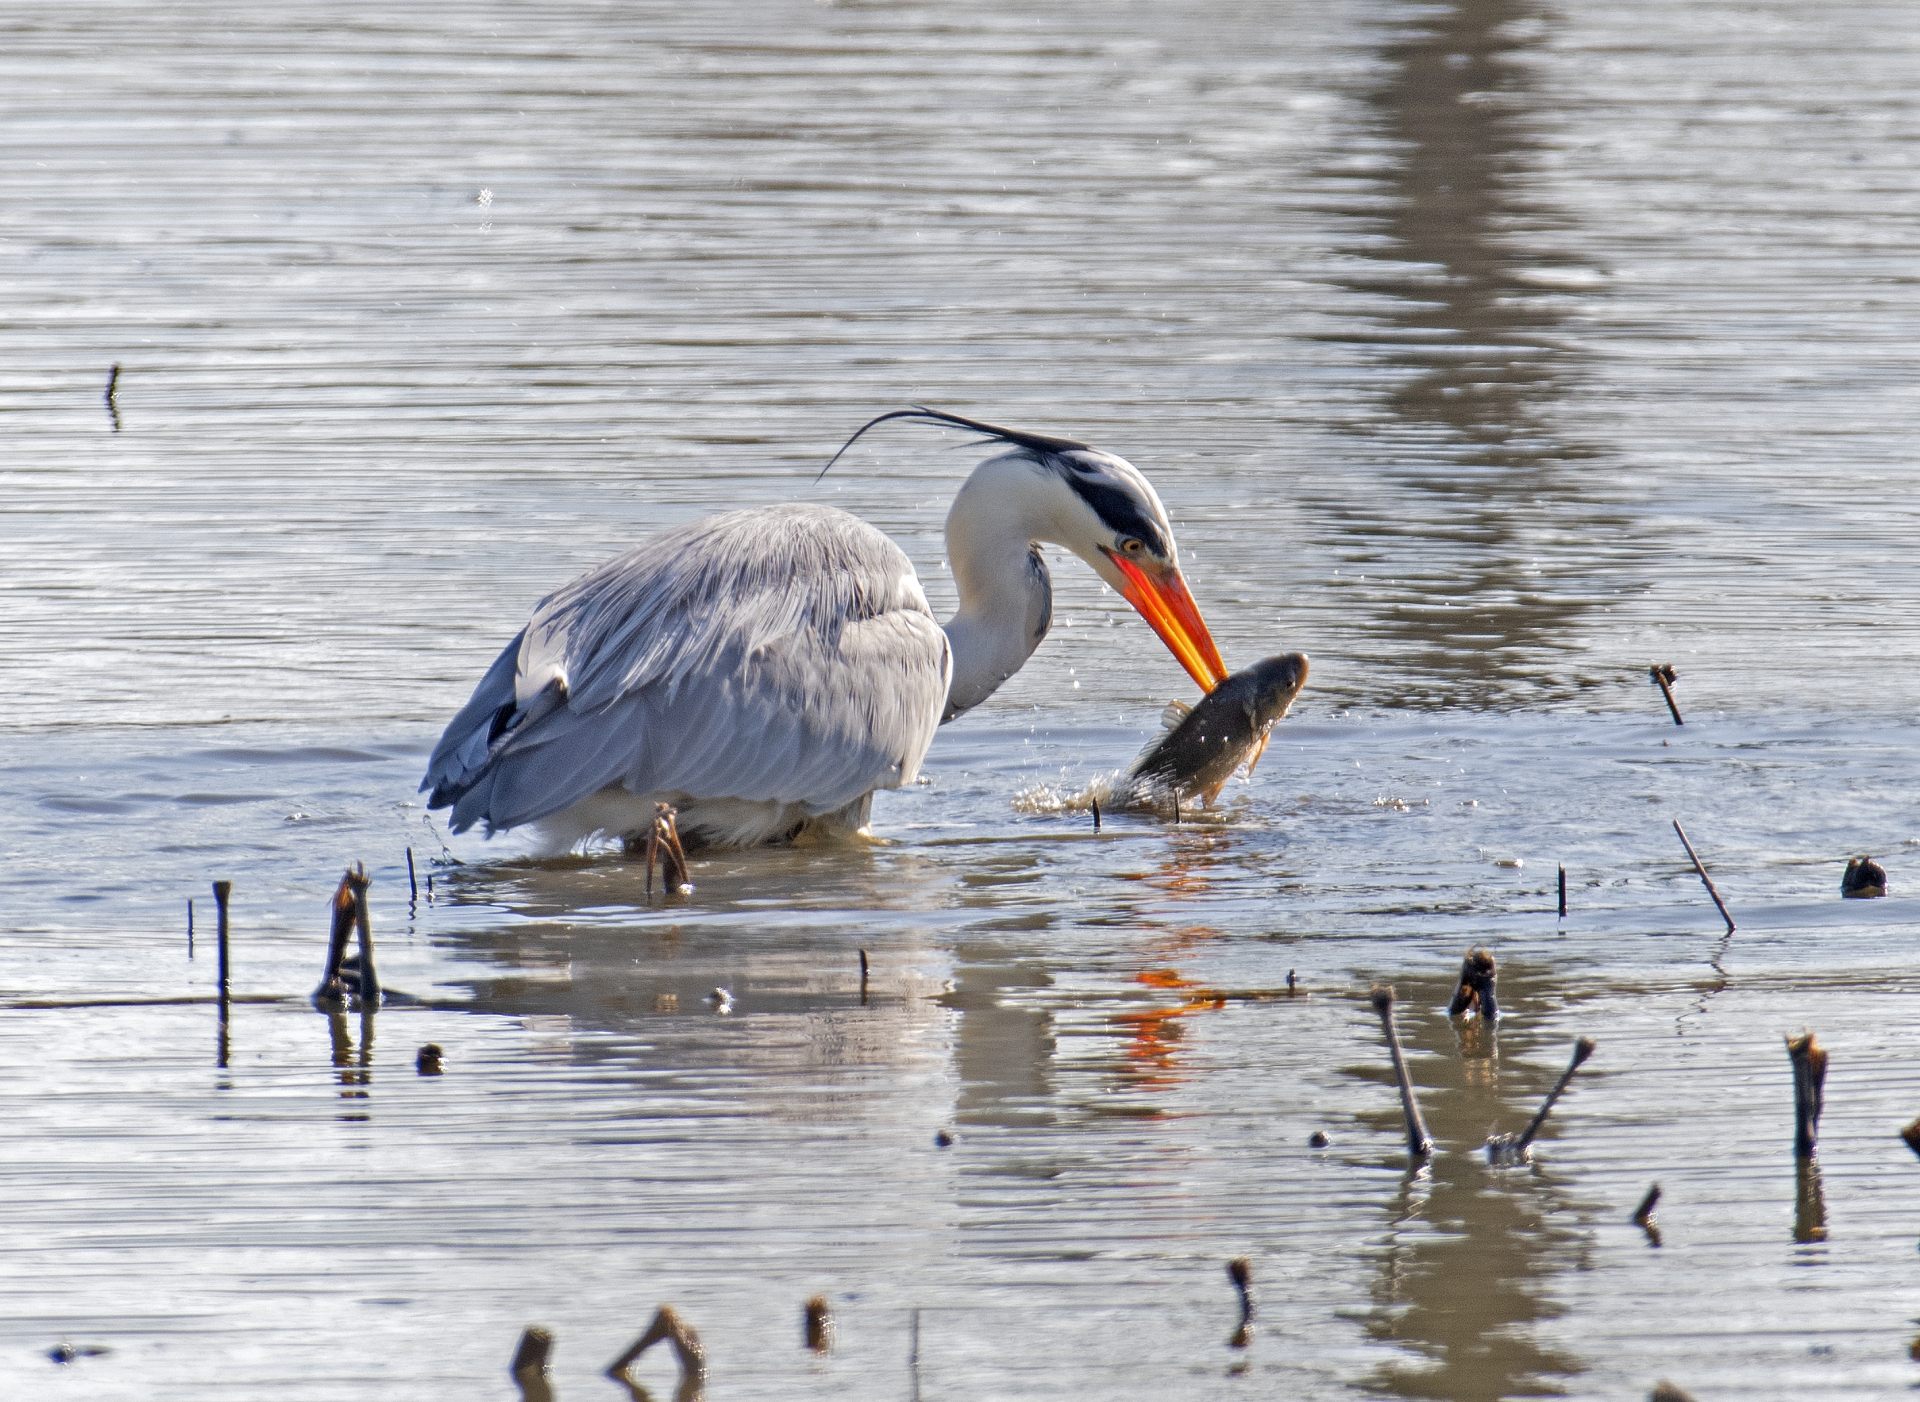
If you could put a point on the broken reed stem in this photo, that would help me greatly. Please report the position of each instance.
(1708, 880)
(529, 1366)
(1563, 893)
(1643, 1214)
(113, 403)
(1582, 1049)
(222, 890)
(1475, 993)
(413, 885)
(341, 909)
(686, 1345)
(1664, 674)
(663, 845)
(358, 880)
(913, 1352)
(1240, 1272)
(1096, 815)
(1809, 1091)
(863, 976)
(189, 927)
(1419, 1143)
(818, 1324)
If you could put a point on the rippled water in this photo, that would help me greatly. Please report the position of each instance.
(1487, 352)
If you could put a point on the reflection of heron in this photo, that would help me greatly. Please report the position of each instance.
(767, 670)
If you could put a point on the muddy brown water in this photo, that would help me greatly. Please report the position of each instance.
(1486, 352)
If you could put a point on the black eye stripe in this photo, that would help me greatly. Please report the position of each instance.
(1120, 511)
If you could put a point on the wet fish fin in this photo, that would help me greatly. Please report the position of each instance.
(1259, 749)
(1175, 712)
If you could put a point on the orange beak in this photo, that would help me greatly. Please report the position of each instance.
(1169, 610)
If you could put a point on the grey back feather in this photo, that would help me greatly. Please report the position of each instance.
(784, 653)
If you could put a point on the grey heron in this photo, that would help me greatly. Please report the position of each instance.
(765, 670)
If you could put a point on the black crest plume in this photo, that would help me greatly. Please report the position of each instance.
(1034, 442)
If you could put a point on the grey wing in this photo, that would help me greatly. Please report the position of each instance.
(781, 654)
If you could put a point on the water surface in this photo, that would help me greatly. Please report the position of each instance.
(1487, 352)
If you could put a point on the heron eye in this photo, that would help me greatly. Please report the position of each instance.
(1134, 546)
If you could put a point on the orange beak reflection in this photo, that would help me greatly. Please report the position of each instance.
(1170, 611)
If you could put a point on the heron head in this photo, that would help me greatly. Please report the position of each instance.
(1103, 509)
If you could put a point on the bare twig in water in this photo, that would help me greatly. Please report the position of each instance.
(189, 927)
(1419, 1143)
(1664, 676)
(341, 908)
(1475, 993)
(1563, 893)
(686, 1346)
(663, 846)
(1096, 815)
(1506, 1148)
(913, 1353)
(818, 1323)
(863, 976)
(358, 881)
(221, 891)
(1643, 1215)
(1707, 880)
(529, 1366)
(1240, 1272)
(112, 397)
(413, 884)
(1864, 879)
(1809, 1090)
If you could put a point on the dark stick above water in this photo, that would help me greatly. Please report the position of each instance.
(1506, 1148)
(529, 1366)
(222, 890)
(1665, 676)
(341, 909)
(369, 981)
(1707, 880)
(1419, 1142)
(1643, 1215)
(113, 405)
(1240, 1272)
(817, 1324)
(1809, 1091)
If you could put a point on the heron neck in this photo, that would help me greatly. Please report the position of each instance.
(1006, 599)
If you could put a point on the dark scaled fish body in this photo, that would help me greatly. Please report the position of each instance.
(1227, 728)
